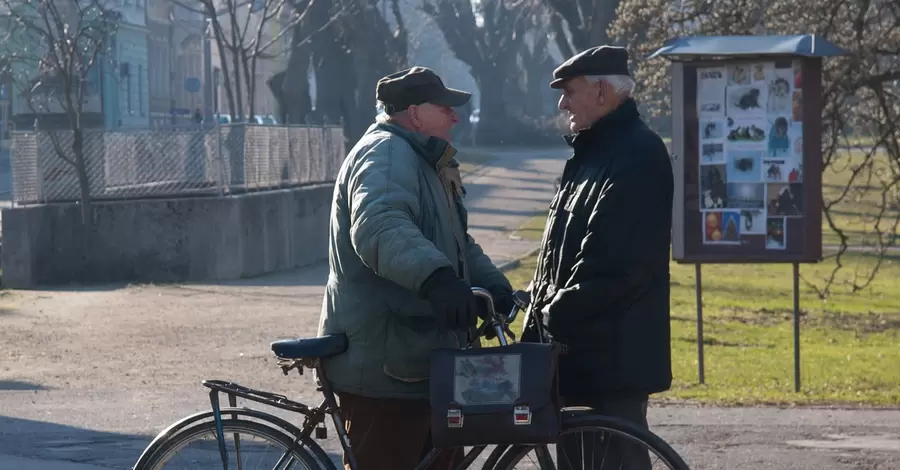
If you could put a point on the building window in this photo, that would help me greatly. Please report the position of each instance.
(141, 89)
(128, 88)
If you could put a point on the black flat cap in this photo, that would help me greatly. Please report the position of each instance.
(600, 60)
(416, 85)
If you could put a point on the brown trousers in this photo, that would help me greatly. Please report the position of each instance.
(391, 434)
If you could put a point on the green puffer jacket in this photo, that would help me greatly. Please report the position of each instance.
(394, 220)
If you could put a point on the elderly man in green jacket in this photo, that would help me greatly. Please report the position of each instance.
(401, 266)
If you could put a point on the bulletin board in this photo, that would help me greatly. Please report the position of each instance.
(748, 174)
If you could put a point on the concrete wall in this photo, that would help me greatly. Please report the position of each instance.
(166, 240)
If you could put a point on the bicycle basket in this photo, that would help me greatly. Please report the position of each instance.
(496, 395)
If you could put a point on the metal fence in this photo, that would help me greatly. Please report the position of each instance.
(136, 164)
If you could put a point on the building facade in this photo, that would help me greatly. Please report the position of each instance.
(125, 93)
(176, 64)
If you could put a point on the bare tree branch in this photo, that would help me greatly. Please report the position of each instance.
(861, 118)
(51, 50)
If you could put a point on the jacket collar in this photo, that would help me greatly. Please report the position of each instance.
(625, 113)
(437, 152)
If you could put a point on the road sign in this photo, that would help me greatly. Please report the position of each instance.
(192, 84)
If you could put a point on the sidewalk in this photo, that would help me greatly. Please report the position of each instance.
(12, 462)
(506, 193)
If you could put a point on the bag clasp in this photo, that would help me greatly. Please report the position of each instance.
(454, 418)
(521, 415)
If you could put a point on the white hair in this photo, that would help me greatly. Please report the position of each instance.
(623, 84)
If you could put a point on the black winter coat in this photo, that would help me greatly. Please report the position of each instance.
(603, 269)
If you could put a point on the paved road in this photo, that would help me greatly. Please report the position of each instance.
(88, 376)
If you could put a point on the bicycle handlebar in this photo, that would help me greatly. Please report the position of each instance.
(521, 299)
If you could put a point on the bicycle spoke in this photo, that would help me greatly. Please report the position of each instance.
(286, 462)
(591, 450)
(237, 450)
(244, 451)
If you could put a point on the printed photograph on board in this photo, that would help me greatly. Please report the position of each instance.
(796, 134)
(776, 233)
(753, 222)
(782, 170)
(713, 192)
(760, 71)
(721, 228)
(779, 100)
(746, 195)
(744, 165)
(712, 152)
(784, 199)
(747, 131)
(711, 92)
(731, 227)
(739, 74)
(797, 106)
(712, 129)
(712, 227)
(746, 101)
(779, 137)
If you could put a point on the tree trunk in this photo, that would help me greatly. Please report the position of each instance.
(293, 96)
(250, 80)
(493, 120)
(238, 114)
(84, 184)
(502, 101)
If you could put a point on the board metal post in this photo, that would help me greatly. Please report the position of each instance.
(796, 327)
(699, 289)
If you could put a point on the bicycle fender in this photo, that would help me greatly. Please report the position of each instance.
(203, 416)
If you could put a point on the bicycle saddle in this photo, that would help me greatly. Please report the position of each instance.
(310, 348)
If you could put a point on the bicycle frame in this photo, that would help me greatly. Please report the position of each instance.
(315, 417)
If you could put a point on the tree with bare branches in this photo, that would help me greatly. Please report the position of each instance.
(861, 96)
(488, 36)
(580, 24)
(349, 44)
(53, 51)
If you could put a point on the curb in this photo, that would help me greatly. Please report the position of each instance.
(515, 263)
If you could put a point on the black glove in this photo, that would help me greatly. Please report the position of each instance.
(503, 299)
(452, 300)
(503, 304)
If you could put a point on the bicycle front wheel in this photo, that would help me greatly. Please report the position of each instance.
(595, 442)
(248, 444)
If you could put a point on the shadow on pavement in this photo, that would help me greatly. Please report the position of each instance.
(315, 274)
(53, 446)
(28, 444)
(16, 385)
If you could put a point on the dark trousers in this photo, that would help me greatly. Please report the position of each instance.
(604, 451)
(391, 434)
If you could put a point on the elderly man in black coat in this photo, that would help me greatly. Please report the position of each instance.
(601, 287)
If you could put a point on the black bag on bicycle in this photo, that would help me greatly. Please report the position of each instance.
(496, 395)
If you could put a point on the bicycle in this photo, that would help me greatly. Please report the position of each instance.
(296, 443)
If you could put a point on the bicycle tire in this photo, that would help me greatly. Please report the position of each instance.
(593, 422)
(272, 434)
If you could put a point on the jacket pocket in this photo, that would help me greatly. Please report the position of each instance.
(408, 345)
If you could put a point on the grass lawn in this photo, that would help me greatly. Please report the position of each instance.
(850, 345)
(857, 211)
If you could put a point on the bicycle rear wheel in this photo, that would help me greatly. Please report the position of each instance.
(605, 443)
(248, 444)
